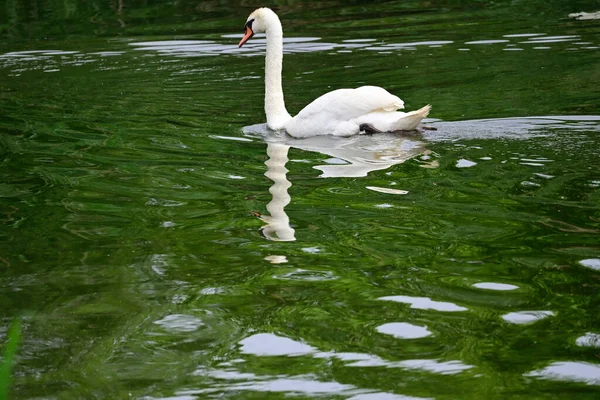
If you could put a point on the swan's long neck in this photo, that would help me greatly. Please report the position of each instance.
(277, 115)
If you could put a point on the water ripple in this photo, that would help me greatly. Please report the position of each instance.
(425, 303)
(569, 371)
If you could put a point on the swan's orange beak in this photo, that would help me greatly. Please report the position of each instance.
(247, 35)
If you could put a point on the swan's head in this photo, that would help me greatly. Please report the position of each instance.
(260, 21)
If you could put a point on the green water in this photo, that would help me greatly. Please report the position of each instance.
(149, 256)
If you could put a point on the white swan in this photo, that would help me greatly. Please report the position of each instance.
(343, 112)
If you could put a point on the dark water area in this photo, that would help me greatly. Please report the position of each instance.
(158, 242)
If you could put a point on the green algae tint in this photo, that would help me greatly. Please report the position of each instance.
(162, 244)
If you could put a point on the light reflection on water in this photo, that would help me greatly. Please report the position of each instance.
(51, 60)
(271, 345)
(298, 385)
(425, 303)
(526, 317)
(569, 371)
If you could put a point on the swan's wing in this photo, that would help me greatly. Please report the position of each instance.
(348, 104)
(394, 121)
(339, 112)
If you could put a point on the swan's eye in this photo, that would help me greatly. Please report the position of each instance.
(248, 25)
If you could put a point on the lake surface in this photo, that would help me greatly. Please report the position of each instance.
(158, 243)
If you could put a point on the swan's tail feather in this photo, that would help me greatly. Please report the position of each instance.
(411, 120)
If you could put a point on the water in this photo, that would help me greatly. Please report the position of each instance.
(158, 243)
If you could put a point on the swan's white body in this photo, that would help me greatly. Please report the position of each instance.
(343, 112)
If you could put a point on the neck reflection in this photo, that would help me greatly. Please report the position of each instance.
(277, 224)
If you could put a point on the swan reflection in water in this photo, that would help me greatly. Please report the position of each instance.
(355, 156)
(277, 225)
(358, 155)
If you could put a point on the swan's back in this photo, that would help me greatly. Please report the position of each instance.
(330, 112)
